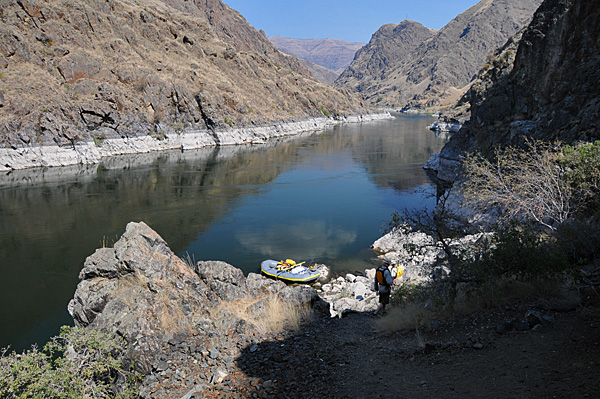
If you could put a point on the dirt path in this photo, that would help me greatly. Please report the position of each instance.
(469, 358)
(462, 358)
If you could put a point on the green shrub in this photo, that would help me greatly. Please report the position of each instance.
(325, 112)
(406, 293)
(78, 363)
(580, 240)
(99, 138)
(525, 255)
(582, 164)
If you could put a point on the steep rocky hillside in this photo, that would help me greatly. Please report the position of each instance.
(320, 73)
(543, 84)
(333, 54)
(390, 46)
(438, 71)
(74, 71)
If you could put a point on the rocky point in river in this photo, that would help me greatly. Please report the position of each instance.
(194, 330)
(410, 66)
(76, 74)
(142, 291)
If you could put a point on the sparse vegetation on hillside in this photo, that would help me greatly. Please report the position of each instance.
(548, 226)
(120, 68)
(78, 363)
(410, 66)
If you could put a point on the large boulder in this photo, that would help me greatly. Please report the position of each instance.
(226, 281)
(419, 254)
(142, 291)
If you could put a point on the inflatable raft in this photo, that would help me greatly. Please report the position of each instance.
(289, 270)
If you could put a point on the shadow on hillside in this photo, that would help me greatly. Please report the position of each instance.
(297, 366)
(315, 361)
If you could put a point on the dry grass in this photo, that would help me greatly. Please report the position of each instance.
(170, 316)
(271, 315)
(410, 316)
(168, 311)
(190, 261)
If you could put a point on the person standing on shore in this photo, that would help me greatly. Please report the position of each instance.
(383, 285)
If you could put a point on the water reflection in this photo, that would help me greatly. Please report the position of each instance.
(310, 239)
(322, 196)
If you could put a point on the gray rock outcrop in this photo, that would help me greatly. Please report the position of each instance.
(142, 291)
(420, 255)
(543, 84)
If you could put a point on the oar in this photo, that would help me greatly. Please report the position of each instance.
(310, 265)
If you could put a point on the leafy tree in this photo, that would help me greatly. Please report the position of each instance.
(522, 254)
(582, 165)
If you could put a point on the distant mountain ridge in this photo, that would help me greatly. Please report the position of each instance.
(410, 66)
(390, 46)
(333, 54)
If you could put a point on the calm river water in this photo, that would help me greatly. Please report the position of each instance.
(323, 196)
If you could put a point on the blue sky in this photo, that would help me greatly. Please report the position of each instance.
(351, 20)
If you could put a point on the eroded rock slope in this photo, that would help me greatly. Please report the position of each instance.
(75, 71)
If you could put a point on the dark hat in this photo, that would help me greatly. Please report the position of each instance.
(386, 262)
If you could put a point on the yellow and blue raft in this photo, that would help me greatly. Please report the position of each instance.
(289, 270)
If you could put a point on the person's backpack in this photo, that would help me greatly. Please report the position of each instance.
(381, 284)
(380, 276)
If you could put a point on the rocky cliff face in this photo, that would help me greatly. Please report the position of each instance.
(549, 89)
(542, 84)
(428, 69)
(75, 71)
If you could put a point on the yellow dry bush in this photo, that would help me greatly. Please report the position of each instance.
(276, 315)
(171, 318)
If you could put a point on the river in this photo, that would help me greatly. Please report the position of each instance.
(323, 196)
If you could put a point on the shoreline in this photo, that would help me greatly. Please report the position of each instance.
(90, 152)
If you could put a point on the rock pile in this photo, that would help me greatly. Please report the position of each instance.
(350, 294)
